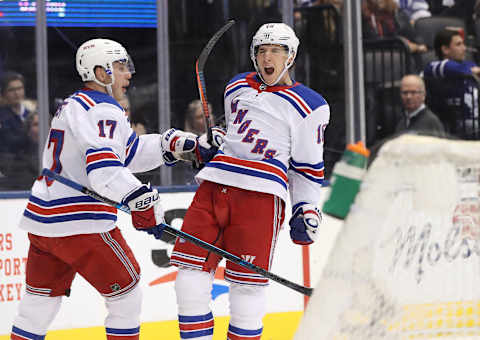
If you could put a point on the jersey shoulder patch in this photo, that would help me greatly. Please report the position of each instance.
(237, 82)
(90, 98)
(302, 98)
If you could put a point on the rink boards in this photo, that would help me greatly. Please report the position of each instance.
(84, 310)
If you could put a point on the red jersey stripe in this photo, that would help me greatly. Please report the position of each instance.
(251, 164)
(86, 98)
(103, 155)
(70, 209)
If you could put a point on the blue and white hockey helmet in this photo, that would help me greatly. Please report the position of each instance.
(100, 52)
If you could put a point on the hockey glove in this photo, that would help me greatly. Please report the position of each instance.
(147, 213)
(169, 158)
(304, 224)
(178, 142)
(204, 152)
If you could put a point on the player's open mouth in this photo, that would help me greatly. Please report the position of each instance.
(269, 70)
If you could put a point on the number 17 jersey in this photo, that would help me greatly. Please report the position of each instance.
(91, 143)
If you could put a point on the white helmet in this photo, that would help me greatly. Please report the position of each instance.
(275, 34)
(100, 52)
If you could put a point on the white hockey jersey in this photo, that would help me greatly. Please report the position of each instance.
(274, 141)
(90, 142)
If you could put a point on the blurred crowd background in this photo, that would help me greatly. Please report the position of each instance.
(398, 39)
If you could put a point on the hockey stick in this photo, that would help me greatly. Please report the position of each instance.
(207, 246)
(199, 66)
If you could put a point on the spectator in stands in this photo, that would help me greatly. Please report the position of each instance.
(28, 161)
(195, 119)
(194, 122)
(452, 85)
(384, 19)
(417, 117)
(415, 9)
(138, 125)
(12, 115)
(12, 87)
(20, 167)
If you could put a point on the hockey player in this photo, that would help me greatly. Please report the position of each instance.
(274, 142)
(92, 143)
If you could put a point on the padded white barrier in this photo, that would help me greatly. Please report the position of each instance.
(406, 265)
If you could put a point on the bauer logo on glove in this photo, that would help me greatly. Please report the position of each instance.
(146, 202)
(304, 224)
(146, 210)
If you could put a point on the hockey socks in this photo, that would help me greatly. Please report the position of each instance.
(237, 333)
(198, 327)
(123, 333)
(20, 334)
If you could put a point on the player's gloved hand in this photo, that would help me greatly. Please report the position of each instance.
(204, 152)
(168, 158)
(178, 142)
(146, 210)
(304, 224)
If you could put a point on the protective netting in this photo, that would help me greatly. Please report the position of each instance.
(406, 263)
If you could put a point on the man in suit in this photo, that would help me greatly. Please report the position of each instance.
(417, 117)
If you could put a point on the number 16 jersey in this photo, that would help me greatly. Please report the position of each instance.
(274, 141)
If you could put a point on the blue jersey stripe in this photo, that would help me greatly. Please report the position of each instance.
(72, 217)
(103, 164)
(89, 151)
(131, 138)
(100, 97)
(249, 172)
(85, 106)
(235, 89)
(133, 151)
(312, 98)
(306, 165)
(238, 77)
(63, 201)
(291, 101)
(308, 176)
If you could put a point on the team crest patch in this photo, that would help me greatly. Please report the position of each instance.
(115, 287)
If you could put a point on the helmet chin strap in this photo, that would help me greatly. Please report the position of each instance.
(109, 90)
(108, 87)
